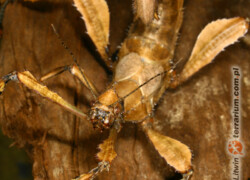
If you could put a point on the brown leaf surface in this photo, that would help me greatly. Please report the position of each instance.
(197, 113)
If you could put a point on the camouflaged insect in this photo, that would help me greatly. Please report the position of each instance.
(144, 71)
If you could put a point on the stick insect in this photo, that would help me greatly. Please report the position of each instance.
(145, 124)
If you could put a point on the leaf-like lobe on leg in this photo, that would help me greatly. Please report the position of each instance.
(96, 16)
(87, 176)
(107, 152)
(106, 155)
(174, 152)
(212, 40)
(144, 10)
(29, 81)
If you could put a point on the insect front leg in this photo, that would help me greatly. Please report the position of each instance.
(29, 81)
(106, 155)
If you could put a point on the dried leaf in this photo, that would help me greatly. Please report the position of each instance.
(212, 40)
(174, 152)
(96, 16)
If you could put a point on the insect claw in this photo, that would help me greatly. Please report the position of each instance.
(104, 165)
(107, 50)
(10, 76)
(187, 175)
(5, 79)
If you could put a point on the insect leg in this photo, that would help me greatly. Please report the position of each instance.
(74, 70)
(211, 41)
(29, 81)
(97, 19)
(174, 152)
(188, 175)
(77, 69)
(106, 155)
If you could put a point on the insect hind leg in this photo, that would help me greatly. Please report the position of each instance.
(173, 151)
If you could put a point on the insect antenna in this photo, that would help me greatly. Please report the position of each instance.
(75, 60)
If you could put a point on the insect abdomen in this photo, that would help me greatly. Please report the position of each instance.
(156, 40)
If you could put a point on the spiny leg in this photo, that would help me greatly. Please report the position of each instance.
(211, 41)
(74, 70)
(29, 81)
(97, 19)
(174, 152)
(106, 155)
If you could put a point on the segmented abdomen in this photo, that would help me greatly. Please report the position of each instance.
(156, 40)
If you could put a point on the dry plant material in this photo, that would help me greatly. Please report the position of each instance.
(145, 70)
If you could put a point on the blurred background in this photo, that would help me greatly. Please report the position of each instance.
(14, 162)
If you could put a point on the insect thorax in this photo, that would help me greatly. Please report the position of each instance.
(133, 102)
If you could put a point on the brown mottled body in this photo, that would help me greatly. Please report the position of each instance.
(147, 51)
